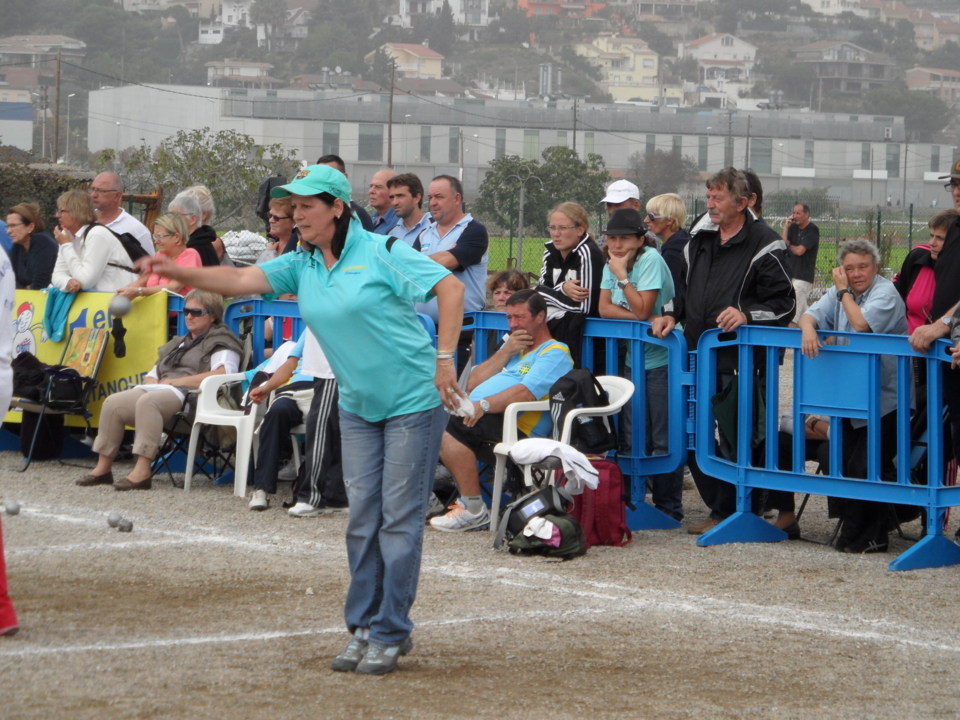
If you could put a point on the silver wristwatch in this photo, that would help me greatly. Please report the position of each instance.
(623, 283)
(484, 405)
(947, 320)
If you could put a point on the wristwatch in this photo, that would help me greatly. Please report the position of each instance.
(484, 405)
(947, 320)
(623, 283)
(844, 291)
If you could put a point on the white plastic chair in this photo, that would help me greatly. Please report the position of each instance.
(619, 392)
(210, 412)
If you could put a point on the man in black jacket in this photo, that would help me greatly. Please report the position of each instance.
(733, 275)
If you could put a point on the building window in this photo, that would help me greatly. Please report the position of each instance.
(651, 143)
(501, 149)
(678, 144)
(726, 41)
(370, 147)
(808, 153)
(934, 158)
(331, 138)
(531, 144)
(761, 154)
(454, 145)
(893, 160)
(702, 155)
(426, 135)
(589, 143)
(561, 138)
(865, 156)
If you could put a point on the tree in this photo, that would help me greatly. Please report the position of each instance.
(923, 114)
(562, 176)
(445, 32)
(660, 171)
(793, 78)
(231, 164)
(272, 14)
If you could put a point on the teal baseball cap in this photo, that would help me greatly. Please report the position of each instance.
(316, 179)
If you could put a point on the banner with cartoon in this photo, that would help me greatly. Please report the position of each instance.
(146, 330)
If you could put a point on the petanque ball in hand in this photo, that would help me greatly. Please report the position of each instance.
(120, 305)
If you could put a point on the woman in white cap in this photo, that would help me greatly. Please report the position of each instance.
(356, 292)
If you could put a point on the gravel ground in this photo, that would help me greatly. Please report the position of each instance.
(207, 610)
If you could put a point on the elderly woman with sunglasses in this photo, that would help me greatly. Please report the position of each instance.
(208, 348)
(170, 237)
(666, 215)
(34, 250)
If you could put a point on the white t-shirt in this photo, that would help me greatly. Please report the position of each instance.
(127, 223)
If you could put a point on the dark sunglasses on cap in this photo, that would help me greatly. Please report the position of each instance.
(196, 312)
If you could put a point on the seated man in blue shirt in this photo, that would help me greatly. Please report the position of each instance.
(523, 369)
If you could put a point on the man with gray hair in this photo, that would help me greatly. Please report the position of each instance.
(106, 194)
(733, 274)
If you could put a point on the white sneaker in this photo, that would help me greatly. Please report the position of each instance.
(302, 509)
(457, 519)
(288, 472)
(259, 500)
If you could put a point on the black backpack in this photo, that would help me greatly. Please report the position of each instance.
(130, 243)
(578, 389)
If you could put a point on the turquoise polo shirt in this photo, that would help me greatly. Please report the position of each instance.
(650, 272)
(361, 311)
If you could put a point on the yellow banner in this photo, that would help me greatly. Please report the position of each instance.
(146, 327)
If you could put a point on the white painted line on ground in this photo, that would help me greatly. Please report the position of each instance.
(615, 599)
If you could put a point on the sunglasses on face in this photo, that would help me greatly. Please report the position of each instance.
(195, 312)
(278, 218)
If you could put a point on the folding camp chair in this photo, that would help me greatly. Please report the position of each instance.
(83, 354)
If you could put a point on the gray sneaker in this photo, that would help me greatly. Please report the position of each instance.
(351, 656)
(382, 659)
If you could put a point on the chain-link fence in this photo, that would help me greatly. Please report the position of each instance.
(895, 230)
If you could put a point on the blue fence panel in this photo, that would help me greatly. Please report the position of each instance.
(635, 337)
(252, 315)
(175, 308)
(843, 381)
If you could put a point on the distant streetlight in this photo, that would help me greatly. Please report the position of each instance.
(68, 126)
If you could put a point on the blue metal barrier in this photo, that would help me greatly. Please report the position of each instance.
(636, 337)
(251, 316)
(175, 308)
(842, 382)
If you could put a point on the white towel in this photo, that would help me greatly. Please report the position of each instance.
(577, 469)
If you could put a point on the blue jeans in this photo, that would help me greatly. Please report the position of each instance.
(388, 469)
(666, 489)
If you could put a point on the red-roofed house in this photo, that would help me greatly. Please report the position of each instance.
(721, 56)
(943, 83)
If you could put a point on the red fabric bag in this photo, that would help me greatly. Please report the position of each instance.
(602, 513)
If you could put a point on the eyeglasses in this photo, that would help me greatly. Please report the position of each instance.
(159, 236)
(951, 185)
(62, 211)
(278, 218)
(103, 191)
(195, 312)
(560, 228)
(10, 225)
(654, 216)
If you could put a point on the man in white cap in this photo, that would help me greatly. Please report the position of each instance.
(622, 194)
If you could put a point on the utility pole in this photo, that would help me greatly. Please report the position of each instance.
(906, 146)
(393, 71)
(746, 151)
(574, 126)
(56, 113)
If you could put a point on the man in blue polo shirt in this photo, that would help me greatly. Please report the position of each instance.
(384, 218)
(523, 369)
(459, 243)
(406, 198)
